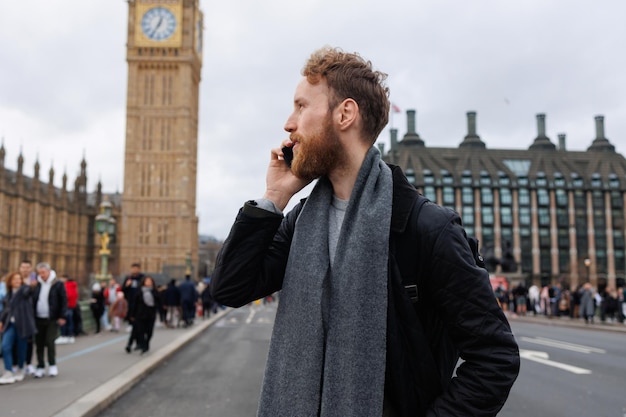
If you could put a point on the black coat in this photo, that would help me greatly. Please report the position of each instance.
(456, 312)
(140, 310)
(20, 306)
(57, 299)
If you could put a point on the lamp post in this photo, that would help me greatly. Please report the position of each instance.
(105, 227)
(587, 263)
(188, 264)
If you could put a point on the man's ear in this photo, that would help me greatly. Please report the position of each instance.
(346, 114)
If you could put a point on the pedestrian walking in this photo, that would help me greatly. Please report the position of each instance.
(50, 307)
(96, 305)
(587, 303)
(143, 314)
(17, 324)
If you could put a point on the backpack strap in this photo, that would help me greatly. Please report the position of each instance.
(409, 281)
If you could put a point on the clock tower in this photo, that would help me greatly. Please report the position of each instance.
(159, 225)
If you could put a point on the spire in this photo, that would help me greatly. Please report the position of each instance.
(20, 163)
(600, 143)
(542, 142)
(37, 167)
(411, 137)
(472, 140)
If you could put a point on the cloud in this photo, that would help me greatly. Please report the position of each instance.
(63, 79)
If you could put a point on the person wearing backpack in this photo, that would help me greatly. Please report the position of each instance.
(364, 233)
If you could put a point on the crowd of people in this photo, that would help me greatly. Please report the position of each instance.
(584, 302)
(39, 310)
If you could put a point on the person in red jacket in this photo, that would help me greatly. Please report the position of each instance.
(67, 331)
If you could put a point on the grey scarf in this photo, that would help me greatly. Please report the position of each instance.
(328, 349)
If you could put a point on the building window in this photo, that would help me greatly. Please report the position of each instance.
(506, 197)
(429, 193)
(524, 216)
(543, 214)
(506, 216)
(523, 197)
(596, 180)
(543, 197)
(486, 196)
(467, 195)
(487, 213)
(468, 215)
(561, 197)
(448, 195)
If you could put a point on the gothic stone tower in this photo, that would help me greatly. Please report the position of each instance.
(159, 226)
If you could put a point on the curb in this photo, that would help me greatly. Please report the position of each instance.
(573, 324)
(100, 398)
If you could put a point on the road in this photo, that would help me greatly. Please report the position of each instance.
(565, 372)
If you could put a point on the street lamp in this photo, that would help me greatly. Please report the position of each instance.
(105, 227)
(587, 263)
(188, 264)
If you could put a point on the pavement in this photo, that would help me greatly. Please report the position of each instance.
(95, 370)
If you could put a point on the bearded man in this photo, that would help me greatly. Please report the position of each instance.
(348, 340)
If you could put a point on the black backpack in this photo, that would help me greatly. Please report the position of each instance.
(411, 287)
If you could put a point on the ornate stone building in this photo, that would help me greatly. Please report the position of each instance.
(164, 54)
(43, 223)
(560, 213)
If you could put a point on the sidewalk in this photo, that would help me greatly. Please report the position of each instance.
(568, 322)
(94, 372)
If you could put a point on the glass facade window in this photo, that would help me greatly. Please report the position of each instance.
(430, 193)
(506, 216)
(543, 215)
(506, 197)
(468, 215)
(596, 181)
(466, 179)
(448, 195)
(523, 197)
(486, 196)
(561, 197)
(578, 183)
(467, 195)
(448, 180)
(524, 216)
(543, 197)
(487, 213)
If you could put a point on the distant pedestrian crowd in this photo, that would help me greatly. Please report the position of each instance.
(584, 302)
(39, 310)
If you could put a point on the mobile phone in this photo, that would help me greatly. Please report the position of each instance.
(288, 155)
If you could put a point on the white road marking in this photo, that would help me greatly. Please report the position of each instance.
(562, 345)
(542, 357)
(251, 315)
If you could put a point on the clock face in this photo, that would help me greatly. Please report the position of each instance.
(158, 23)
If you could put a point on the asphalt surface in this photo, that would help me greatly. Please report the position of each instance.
(95, 370)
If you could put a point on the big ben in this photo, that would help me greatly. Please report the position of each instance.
(159, 225)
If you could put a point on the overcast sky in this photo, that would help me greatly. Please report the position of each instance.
(63, 76)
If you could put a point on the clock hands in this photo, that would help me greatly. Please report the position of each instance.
(158, 25)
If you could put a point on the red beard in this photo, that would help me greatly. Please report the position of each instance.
(317, 154)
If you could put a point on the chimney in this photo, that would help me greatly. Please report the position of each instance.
(472, 139)
(600, 127)
(600, 143)
(393, 132)
(542, 142)
(561, 137)
(381, 148)
(541, 125)
(411, 137)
